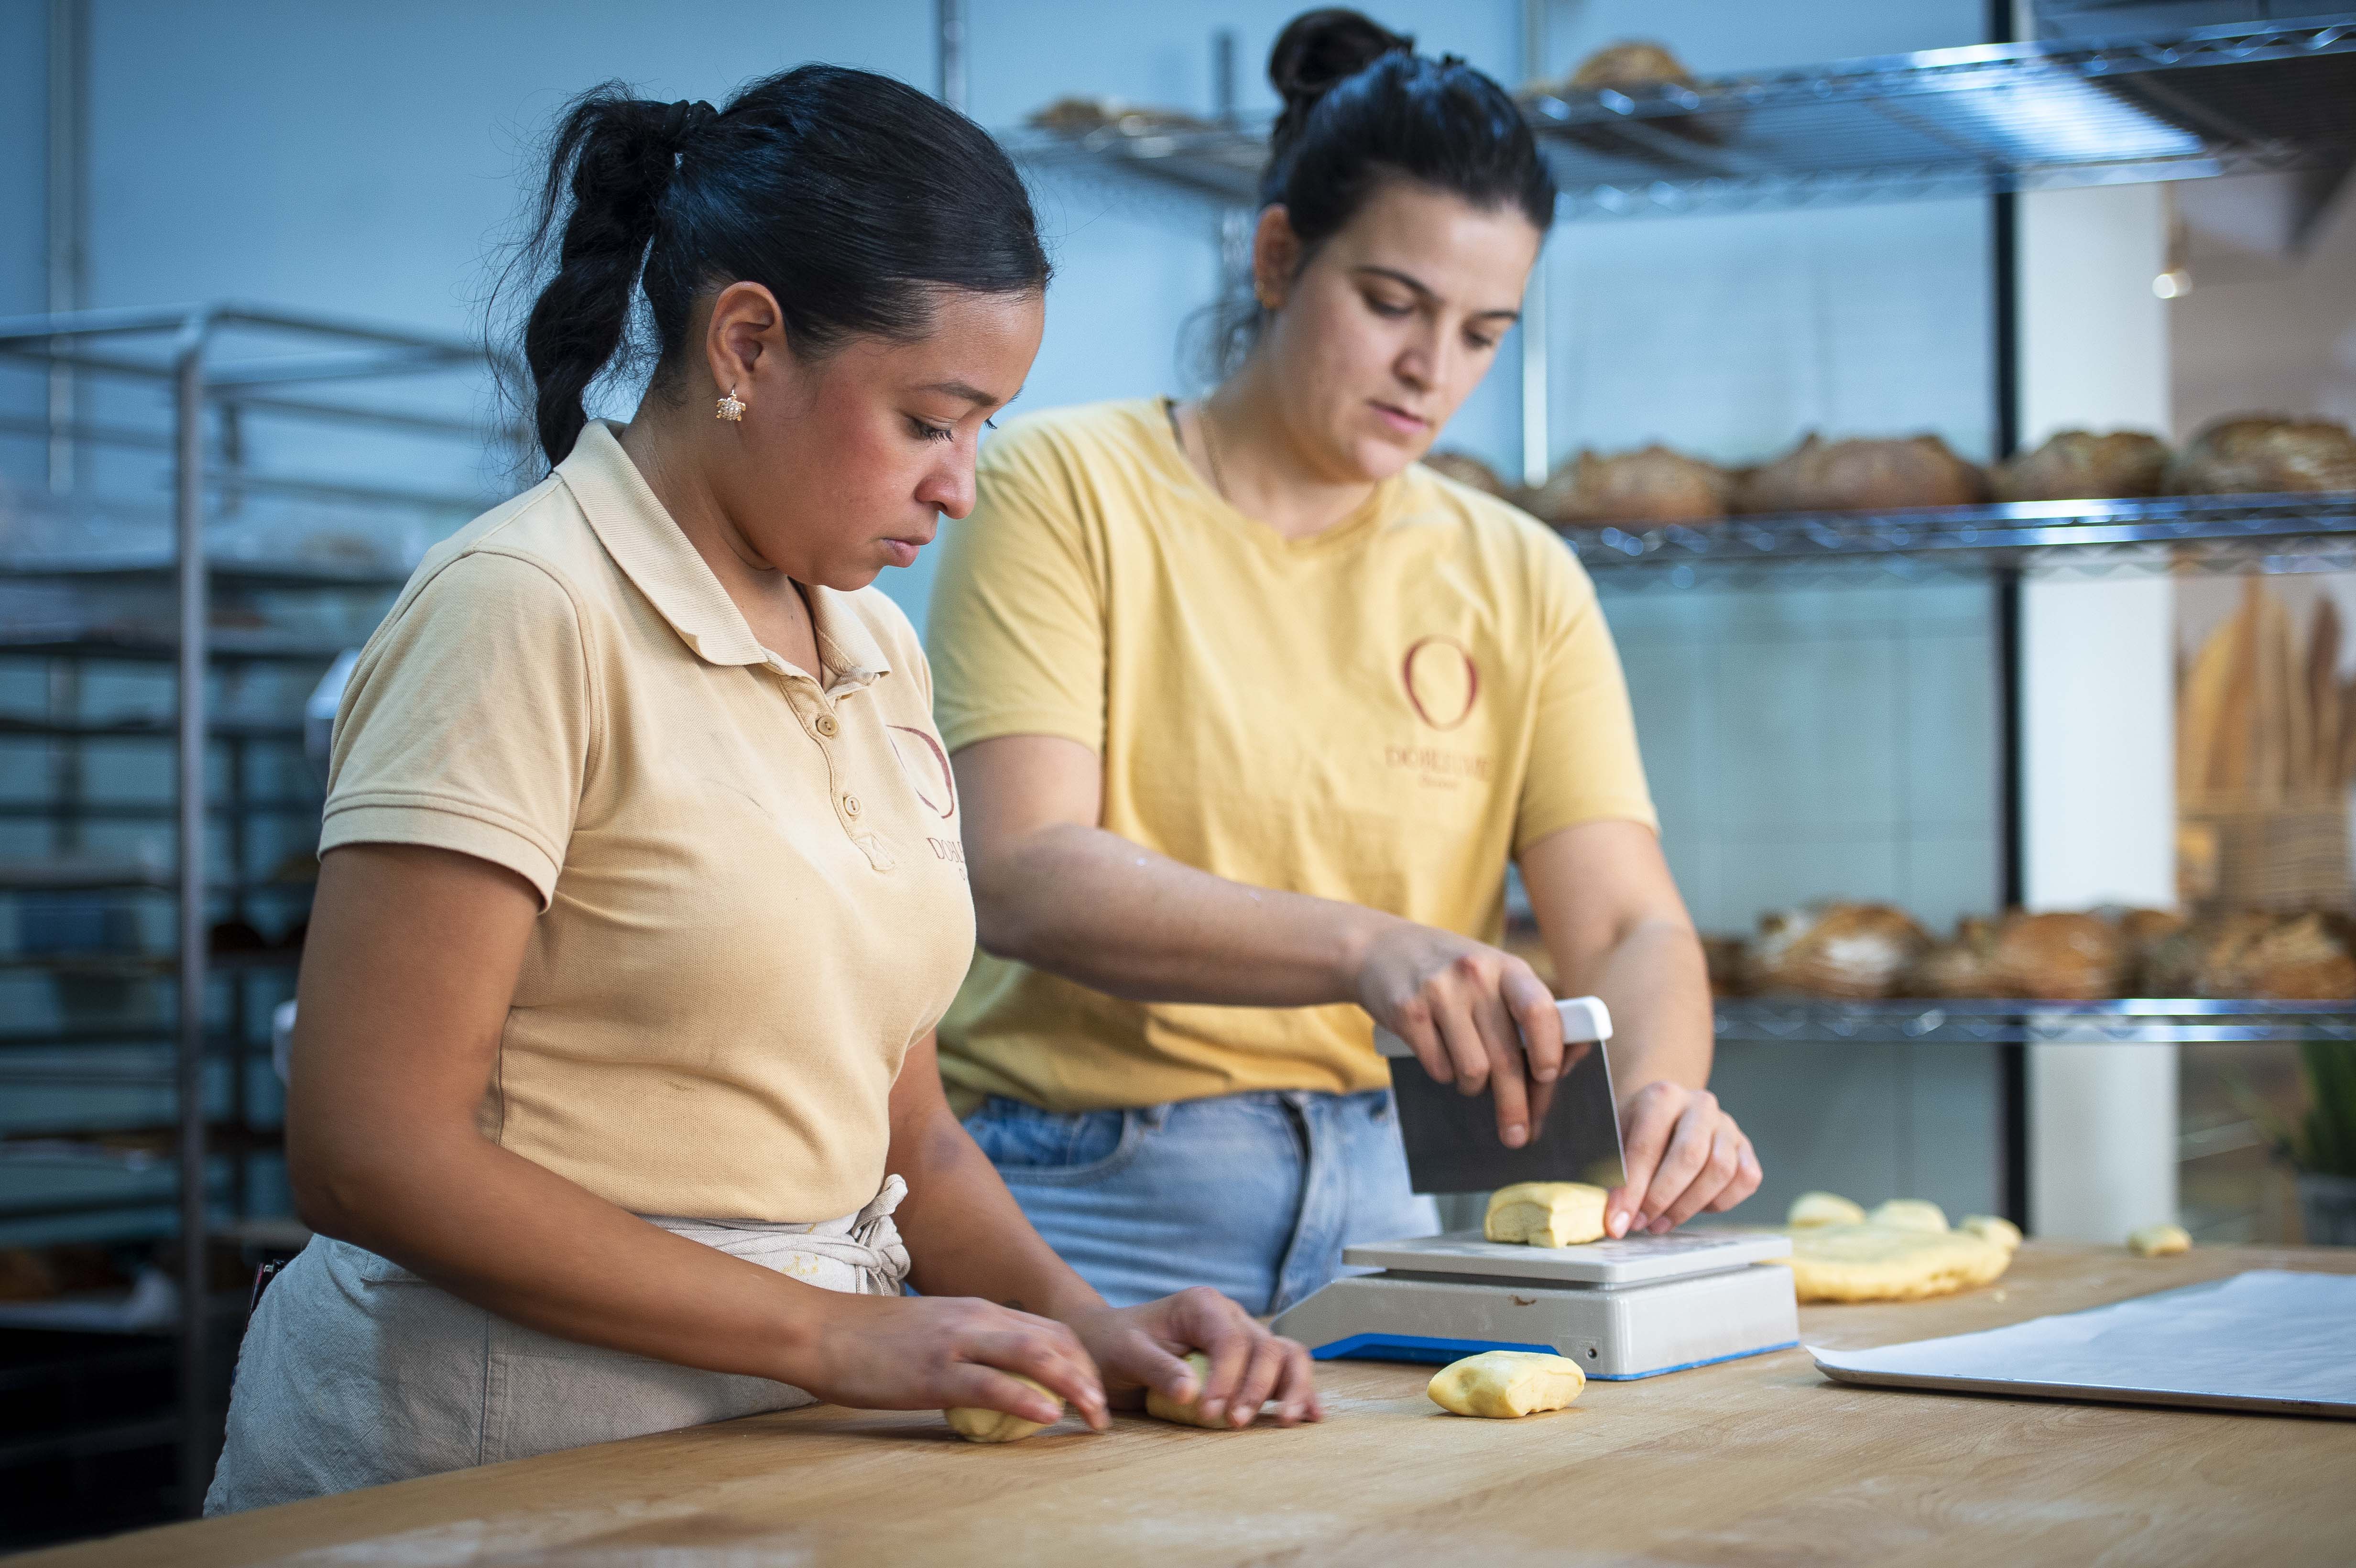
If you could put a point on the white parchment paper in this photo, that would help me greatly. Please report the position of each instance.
(2268, 1339)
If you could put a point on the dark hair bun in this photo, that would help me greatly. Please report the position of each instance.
(1319, 49)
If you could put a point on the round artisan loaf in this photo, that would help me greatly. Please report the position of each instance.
(1651, 485)
(2060, 957)
(1633, 62)
(1964, 966)
(2264, 455)
(1467, 469)
(1860, 950)
(2077, 464)
(1862, 476)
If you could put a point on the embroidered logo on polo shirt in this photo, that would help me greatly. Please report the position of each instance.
(927, 767)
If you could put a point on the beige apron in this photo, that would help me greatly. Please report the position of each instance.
(356, 1372)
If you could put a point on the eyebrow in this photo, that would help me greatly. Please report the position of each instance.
(1409, 279)
(969, 392)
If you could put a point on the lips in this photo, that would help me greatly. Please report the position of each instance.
(1399, 420)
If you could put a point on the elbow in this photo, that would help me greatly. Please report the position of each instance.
(331, 1198)
(1004, 924)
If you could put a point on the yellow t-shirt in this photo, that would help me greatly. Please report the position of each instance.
(1382, 713)
(753, 898)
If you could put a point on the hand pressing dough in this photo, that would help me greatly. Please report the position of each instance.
(1875, 1263)
(1822, 1208)
(2159, 1241)
(978, 1424)
(1161, 1407)
(1507, 1384)
(1909, 1214)
(1546, 1213)
(1990, 1227)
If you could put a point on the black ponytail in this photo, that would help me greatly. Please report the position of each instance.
(1361, 107)
(846, 194)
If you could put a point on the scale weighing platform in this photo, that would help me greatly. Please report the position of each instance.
(1630, 1309)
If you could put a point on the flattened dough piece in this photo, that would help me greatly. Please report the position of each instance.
(2159, 1241)
(1507, 1384)
(1161, 1407)
(978, 1423)
(1909, 1214)
(1822, 1208)
(1546, 1213)
(1992, 1228)
(1874, 1263)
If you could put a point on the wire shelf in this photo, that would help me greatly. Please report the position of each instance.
(1941, 123)
(2270, 534)
(1786, 1020)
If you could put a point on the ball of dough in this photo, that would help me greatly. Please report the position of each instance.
(978, 1424)
(2159, 1241)
(1909, 1214)
(1822, 1208)
(1507, 1384)
(1991, 1228)
(1161, 1407)
(1875, 1263)
(1546, 1213)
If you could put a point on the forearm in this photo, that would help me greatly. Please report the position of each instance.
(514, 1238)
(1657, 987)
(1093, 907)
(966, 1234)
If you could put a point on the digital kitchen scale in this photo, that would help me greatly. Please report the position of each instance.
(1631, 1308)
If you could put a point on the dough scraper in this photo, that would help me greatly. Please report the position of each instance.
(1621, 1309)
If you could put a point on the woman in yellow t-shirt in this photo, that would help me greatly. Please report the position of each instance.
(1249, 711)
(613, 1093)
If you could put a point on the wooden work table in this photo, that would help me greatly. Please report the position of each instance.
(1757, 1461)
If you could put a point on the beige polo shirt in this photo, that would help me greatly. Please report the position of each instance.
(753, 895)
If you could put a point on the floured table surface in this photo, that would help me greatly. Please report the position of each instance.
(1757, 1461)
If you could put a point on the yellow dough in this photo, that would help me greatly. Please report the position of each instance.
(1507, 1384)
(2159, 1241)
(977, 1424)
(1875, 1263)
(1822, 1208)
(1909, 1214)
(1990, 1227)
(1546, 1214)
(1161, 1407)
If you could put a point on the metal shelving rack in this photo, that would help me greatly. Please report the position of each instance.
(1989, 120)
(222, 368)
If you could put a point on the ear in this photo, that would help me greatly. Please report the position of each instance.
(746, 328)
(1276, 257)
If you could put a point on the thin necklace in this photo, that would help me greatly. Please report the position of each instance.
(1203, 424)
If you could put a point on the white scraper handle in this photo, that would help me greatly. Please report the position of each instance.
(1584, 1019)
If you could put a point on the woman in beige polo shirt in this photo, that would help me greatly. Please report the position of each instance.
(613, 1091)
(1251, 713)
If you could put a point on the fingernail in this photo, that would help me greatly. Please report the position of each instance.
(1517, 1136)
(1241, 1418)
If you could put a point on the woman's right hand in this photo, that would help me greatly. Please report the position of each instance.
(924, 1352)
(1475, 1016)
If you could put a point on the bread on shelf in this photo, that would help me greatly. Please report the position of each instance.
(1853, 950)
(1080, 116)
(1862, 475)
(2078, 465)
(1963, 965)
(1650, 484)
(2262, 454)
(1631, 62)
(1467, 469)
(2060, 957)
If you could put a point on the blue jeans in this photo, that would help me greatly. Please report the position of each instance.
(1255, 1195)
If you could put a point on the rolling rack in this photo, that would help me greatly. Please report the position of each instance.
(1989, 120)
(233, 376)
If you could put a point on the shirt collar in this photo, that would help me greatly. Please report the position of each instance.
(658, 558)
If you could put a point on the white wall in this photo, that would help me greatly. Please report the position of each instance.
(2098, 723)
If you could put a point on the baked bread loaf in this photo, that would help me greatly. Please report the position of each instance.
(2246, 955)
(1467, 469)
(2077, 464)
(2264, 454)
(1964, 966)
(2060, 957)
(1862, 476)
(1728, 959)
(1633, 62)
(1651, 485)
(1858, 950)
(1079, 116)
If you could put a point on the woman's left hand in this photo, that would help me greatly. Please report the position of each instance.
(1137, 1348)
(1684, 1154)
